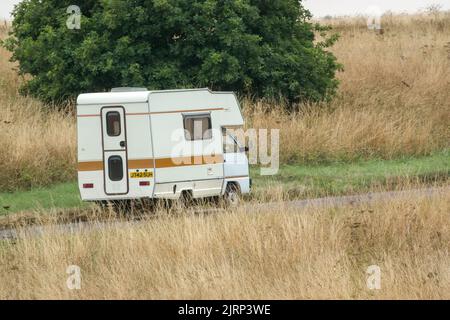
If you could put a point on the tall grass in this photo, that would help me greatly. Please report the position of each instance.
(394, 96)
(349, 132)
(38, 145)
(394, 101)
(317, 253)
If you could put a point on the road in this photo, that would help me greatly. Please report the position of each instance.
(6, 234)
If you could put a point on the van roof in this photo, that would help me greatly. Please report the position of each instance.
(126, 97)
(113, 97)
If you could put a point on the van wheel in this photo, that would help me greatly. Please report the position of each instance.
(103, 205)
(232, 196)
(186, 199)
(117, 206)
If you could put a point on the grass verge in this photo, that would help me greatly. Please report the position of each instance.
(304, 181)
(64, 195)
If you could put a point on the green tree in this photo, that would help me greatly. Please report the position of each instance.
(265, 48)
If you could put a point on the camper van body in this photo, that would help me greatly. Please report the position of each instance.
(146, 144)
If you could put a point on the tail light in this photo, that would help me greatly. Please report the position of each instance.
(88, 186)
(144, 183)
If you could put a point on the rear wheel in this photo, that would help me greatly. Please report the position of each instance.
(232, 196)
(117, 206)
(186, 199)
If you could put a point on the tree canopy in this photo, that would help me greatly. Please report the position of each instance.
(263, 48)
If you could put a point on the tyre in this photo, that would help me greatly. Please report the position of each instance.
(116, 206)
(186, 199)
(232, 196)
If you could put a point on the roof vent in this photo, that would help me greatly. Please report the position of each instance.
(128, 89)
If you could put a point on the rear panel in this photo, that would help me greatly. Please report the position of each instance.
(115, 158)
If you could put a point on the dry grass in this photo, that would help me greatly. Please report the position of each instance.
(394, 97)
(287, 254)
(350, 132)
(394, 100)
(38, 146)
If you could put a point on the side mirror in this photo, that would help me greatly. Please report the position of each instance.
(245, 149)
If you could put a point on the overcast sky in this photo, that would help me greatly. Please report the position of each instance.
(319, 8)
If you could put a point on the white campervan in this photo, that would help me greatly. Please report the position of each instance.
(135, 143)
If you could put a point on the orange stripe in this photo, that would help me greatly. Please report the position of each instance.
(90, 166)
(188, 161)
(157, 112)
(159, 163)
(175, 111)
(237, 177)
(141, 164)
(88, 115)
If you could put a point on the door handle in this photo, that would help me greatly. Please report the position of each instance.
(122, 144)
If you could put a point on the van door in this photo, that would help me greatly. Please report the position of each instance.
(235, 159)
(115, 155)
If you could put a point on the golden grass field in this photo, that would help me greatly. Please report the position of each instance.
(242, 254)
(394, 100)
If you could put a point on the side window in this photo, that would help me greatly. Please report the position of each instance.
(115, 168)
(113, 128)
(229, 145)
(197, 127)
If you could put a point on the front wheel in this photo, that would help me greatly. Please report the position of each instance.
(232, 196)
